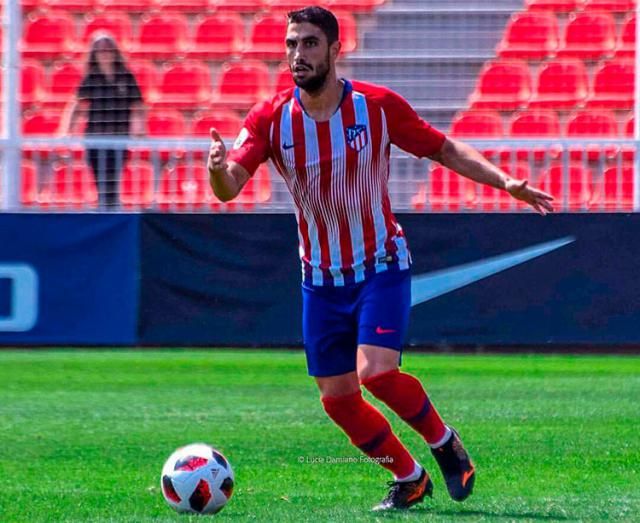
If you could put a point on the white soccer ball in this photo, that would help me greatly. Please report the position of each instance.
(197, 478)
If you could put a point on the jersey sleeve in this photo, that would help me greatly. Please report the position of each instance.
(252, 146)
(407, 130)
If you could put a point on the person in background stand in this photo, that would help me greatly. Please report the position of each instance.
(109, 99)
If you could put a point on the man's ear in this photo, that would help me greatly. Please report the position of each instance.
(335, 49)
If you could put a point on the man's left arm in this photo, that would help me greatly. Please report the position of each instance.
(469, 162)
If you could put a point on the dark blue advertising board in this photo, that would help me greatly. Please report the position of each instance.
(68, 279)
(478, 279)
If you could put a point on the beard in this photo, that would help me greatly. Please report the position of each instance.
(314, 83)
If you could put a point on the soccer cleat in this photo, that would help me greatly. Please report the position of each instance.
(456, 466)
(405, 494)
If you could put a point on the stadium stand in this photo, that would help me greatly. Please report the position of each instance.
(532, 70)
(70, 187)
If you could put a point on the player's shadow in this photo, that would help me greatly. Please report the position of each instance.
(497, 514)
(507, 514)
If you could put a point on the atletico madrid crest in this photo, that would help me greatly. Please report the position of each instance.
(357, 137)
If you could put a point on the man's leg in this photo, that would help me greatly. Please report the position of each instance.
(378, 371)
(369, 431)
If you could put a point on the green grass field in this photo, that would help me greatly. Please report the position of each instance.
(84, 434)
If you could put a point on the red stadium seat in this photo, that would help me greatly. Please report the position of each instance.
(266, 39)
(218, 36)
(48, 36)
(628, 151)
(284, 6)
(356, 5)
(162, 37)
(148, 79)
(250, 6)
(242, 84)
(32, 86)
(577, 194)
(614, 191)
(65, 79)
(478, 124)
(188, 6)
(627, 41)
(593, 124)
(620, 6)
(613, 85)
(503, 86)
(560, 6)
(184, 187)
(41, 123)
(284, 80)
(80, 6)
(133, 6)
(533, 36)
(445, 190)
(28, 183)
(589, 36)
(256, 191)
(71, 186)
(136, 186)
(164, 123)
(116, 24)
(540, 123)
(186, 85)
(227, 123)
(490, 199)
(562, 84)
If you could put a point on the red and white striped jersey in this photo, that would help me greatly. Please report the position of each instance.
(338, 172)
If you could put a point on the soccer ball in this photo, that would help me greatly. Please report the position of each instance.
(197, 478)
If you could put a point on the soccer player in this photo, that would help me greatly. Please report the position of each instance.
(329, 138)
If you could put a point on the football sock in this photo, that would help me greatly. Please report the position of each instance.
(447, 435)
(415, 475)
(405, 395)
(370, 431)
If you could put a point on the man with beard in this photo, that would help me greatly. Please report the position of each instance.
(330, 139)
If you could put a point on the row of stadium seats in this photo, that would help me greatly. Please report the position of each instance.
(545, 124)
(160, 123)
(560, 84)
(587, 35)
(180, 187)
(196, 6)
(612, 190)
(184, 84)
(185, 187)
(565, 6)
(49, 36)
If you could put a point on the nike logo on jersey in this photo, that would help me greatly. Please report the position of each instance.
(380, 330)
(287, 146)
(430, 285)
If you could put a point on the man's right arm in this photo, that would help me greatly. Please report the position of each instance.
(226, 178)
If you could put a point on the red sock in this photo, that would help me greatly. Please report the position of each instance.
(370, 431)
(405, 395)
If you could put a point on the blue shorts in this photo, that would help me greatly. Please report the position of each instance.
(335, 320)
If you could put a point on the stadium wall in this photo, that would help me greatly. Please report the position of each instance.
(212, 280)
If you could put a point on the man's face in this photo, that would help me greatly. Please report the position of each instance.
(309, 55)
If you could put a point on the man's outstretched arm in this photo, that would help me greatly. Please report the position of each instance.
(469, 162)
